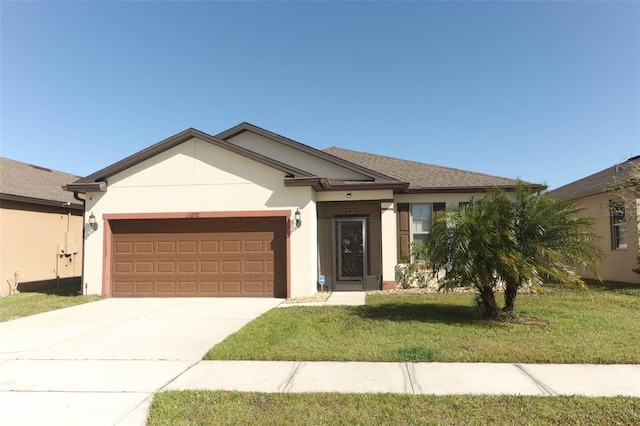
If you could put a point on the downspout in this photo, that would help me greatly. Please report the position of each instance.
(84, 209)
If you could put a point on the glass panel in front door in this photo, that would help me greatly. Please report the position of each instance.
(351, 250)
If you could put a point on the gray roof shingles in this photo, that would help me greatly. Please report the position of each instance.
(421, 175)
(24, 180)
(603, 181)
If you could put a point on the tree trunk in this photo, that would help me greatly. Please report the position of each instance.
(489, 306)
(510, 293)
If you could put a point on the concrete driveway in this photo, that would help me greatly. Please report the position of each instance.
(101, 363)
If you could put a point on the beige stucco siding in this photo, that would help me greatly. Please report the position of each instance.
(36, 245)
(296, 157)
(199, 177)
(618, 263)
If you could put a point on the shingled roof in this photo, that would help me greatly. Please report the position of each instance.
(605, 180)
(423, 177)
(34, 184)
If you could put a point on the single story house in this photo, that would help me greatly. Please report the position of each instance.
(611, 198)
(248, 212)
(40, 228)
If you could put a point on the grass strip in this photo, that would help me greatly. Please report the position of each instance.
(234, 408)
(25, 304)
(559, 326)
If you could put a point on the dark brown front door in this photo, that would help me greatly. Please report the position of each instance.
(350, 253)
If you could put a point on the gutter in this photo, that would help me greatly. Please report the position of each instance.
(84, 212)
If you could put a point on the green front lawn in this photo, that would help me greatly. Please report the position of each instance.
(25, 304)
(235, 408)
(559, 326)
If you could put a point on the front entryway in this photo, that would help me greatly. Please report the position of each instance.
(350, 253)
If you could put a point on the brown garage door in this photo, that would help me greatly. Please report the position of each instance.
(199, 257)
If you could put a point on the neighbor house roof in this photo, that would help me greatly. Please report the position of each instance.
(605, 180)
(423, 177)
(34, 184)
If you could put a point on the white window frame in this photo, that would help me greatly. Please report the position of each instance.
(412, 223)
(618, 225)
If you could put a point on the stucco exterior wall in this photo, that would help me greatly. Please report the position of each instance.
(618, 263)
(199, 177)
(299, 159)
(32, 239)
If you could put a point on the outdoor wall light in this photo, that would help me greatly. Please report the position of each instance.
(93, 223)
(298, 217)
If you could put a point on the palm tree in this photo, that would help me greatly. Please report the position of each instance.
(551, 238)
(511, 239)
(467, 244)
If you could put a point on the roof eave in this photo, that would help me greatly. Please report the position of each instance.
(464, 189)
(40, 201)
(85, 187)
(323, 184)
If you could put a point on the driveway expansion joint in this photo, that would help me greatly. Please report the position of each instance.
(164, 386)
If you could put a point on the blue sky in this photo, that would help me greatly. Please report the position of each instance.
(545, 91)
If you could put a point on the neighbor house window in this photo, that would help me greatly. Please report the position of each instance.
(420, 223)
(618, 226)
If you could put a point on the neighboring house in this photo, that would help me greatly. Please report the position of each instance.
(40, 228)
(607, 197)
(251, 213)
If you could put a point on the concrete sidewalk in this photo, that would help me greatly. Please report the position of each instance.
(412, 378)
(344, 298)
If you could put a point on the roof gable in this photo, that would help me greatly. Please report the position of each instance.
(605, 180)
(90, 182)
(423, 177)
(356, 168)
(34, 184)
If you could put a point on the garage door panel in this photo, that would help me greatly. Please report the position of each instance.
(231, 288)
(123, 267)
(254, 287)
(123, 247)
(204, 257)
(231, 266)
(124, 287)
(209, 266)
(253, 246)
(209, 247)
(165, 267)
(166, 287)
(168, 247)
(231, 246)
(187, 267)
(209, 288)
(188, 287)
(253, 266)
(144, 267)
(187, 247)
(143, 287)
